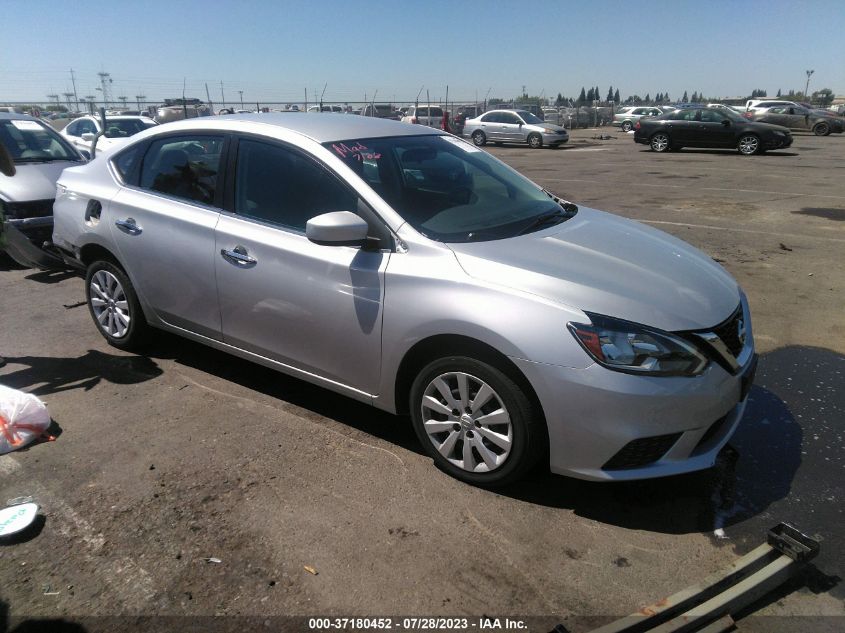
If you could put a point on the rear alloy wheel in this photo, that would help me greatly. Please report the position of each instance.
(748, 145)
(474, 421)
(479, 138)
(660, 142)
(627, 126)
(535, 141)
(114, 306)
(821, 129)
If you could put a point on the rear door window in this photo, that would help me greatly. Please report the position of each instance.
(184, 167)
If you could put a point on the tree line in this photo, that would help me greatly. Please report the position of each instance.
(590, 96)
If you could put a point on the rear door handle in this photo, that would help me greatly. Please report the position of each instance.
(239, 256)
(128, 225)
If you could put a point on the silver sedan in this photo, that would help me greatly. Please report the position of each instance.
(408, 269)
(514, 126)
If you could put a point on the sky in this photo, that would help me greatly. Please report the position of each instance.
(276, 49)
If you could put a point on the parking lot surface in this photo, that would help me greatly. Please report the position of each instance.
(187, 454)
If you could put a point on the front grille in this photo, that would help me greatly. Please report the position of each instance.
(729, 332)
(711, 433)
(31, 209)
(641, 452)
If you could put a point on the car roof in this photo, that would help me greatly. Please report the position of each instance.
(7, 116)
(322, 127)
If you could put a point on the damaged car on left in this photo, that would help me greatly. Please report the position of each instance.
(39, 155)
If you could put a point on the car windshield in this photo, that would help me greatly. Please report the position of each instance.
(121, 128)
(528, 117)
(731, 114)
(447, 189)
(32, 142)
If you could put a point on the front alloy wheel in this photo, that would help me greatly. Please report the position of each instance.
(748, 145)
(535, 141)
(467, 422)
(475, 422)
(479, 138)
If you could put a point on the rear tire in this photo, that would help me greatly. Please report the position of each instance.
(114, 306)
(479, 138)
(535, 141)
(659, 142)
(627, 126)
(475, 422)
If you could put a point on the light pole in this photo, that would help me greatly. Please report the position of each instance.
(241, 92)
(807, 87)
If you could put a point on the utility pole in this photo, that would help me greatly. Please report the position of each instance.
(105, 82)
(54, 96)
(807, 87)
(140, 98)
(67, 96)
(75, 96)
(241, 92)
(222, 96)
(90, 99)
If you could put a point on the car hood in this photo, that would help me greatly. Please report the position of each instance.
(601, 263)
(33, 181)
(545, 126)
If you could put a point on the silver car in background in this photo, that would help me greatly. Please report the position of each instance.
(628, 117)
(514, 126)
(408, 269)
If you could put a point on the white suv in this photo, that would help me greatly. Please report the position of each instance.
(759, 105)
(430, 115)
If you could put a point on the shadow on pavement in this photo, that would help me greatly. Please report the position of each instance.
(53, 375)
(317, 400)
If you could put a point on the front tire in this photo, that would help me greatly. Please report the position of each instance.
(114, 306)
(535, 141)
(821, 129)
(479, 138)
(474, 421)
(660, 142)
(748, 145)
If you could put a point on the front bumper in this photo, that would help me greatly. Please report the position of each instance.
(555, 138)
(606, 425)
(778, 142)
(24, 240)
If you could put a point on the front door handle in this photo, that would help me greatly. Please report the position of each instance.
(128, 225)
(239, 256)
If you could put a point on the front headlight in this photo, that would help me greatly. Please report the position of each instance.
(637, 349)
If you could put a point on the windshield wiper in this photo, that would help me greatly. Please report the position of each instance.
(551, 217)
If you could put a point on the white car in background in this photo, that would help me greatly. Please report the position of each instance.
(81, 132)
(430, 115)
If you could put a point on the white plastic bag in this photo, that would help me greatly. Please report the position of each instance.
(23, 419)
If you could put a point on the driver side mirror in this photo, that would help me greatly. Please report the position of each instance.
(89, 137)
(338, 228)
